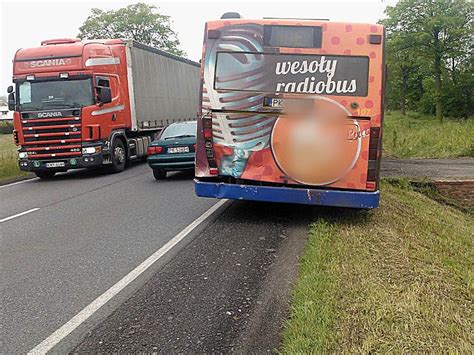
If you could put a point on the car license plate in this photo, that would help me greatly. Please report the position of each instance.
(273, 102)
(178, 150)
(56, 164)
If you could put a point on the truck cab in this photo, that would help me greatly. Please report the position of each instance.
(69, 99)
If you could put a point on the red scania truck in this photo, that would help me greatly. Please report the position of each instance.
(94, 103)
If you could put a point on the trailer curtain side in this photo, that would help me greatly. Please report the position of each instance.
(164, 88)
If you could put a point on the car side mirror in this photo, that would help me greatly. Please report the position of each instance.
(11, 98)
(104, 95)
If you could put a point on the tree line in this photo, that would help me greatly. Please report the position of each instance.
(429, 56)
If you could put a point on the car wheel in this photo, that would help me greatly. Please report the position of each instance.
(45, 174)
(159, 174)
(118, 156)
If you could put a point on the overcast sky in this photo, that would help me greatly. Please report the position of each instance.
(26, 23)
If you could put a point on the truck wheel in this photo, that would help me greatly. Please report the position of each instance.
(159, 174)
(45, 174)
(118, 156)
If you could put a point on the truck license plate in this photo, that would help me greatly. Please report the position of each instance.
(56, 164)
(178, 150)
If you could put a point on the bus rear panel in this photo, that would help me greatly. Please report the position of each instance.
(291, 111)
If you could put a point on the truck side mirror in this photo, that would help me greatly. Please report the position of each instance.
(11, 98)
(104, 95)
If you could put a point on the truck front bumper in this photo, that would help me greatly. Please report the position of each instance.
(79, 162)
(321, 197)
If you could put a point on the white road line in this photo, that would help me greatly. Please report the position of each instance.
(18, 215)
(100, 301)
(19, 182)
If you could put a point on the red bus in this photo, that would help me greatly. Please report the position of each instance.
(291, 111)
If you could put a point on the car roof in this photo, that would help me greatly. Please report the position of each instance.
(183, 123)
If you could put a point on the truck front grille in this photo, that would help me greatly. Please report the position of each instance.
(52, 136)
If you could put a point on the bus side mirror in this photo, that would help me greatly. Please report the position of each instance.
(11, 98)
(104, 95)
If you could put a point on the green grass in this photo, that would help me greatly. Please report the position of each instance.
(421, 136)
(395, 279)
(9, 158)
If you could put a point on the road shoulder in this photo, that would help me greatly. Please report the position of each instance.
(220, 293)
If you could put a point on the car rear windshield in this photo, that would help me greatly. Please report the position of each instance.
(180, 130)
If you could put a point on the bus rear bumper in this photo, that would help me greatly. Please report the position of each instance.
(320, 197)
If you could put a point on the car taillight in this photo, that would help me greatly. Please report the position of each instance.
(154, 150)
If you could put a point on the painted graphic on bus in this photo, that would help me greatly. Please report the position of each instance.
(290, 113)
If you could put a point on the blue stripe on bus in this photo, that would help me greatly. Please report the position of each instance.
(337, 198)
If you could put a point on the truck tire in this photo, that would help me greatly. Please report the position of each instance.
(159, 174)
(45, 174)
(118, 156)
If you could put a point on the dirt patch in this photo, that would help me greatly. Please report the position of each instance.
(448, 181)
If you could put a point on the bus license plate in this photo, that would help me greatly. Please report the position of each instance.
(178, 150)
(56, 164)
(272, 102)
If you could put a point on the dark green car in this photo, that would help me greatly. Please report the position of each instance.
(174, 150)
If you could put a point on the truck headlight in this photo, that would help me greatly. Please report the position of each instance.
(91, 150)
(23, 155)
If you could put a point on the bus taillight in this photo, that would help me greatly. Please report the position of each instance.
(373, 164)
(209, 145)
(207, 127)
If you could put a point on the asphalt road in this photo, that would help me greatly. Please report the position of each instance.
(90, 230)
(433, 169)
(227, 291)
(86, 230)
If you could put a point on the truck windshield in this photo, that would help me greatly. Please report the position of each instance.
(41, 95)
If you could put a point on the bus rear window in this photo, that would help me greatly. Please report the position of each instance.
(292, 36)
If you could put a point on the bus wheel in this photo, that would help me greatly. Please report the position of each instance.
(45, 174)
(119, 156)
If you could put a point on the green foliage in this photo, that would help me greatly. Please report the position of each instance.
(9, 158)
(421, 136)
(397, 279)
(6, 127)
(430, 45)
(140, 22)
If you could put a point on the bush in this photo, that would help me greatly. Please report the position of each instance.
(6, 127)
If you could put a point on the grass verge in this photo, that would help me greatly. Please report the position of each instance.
(396, 279)
(9, 158)
(421, 136)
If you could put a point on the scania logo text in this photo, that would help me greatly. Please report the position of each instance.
(49, 62)
(49, 114)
